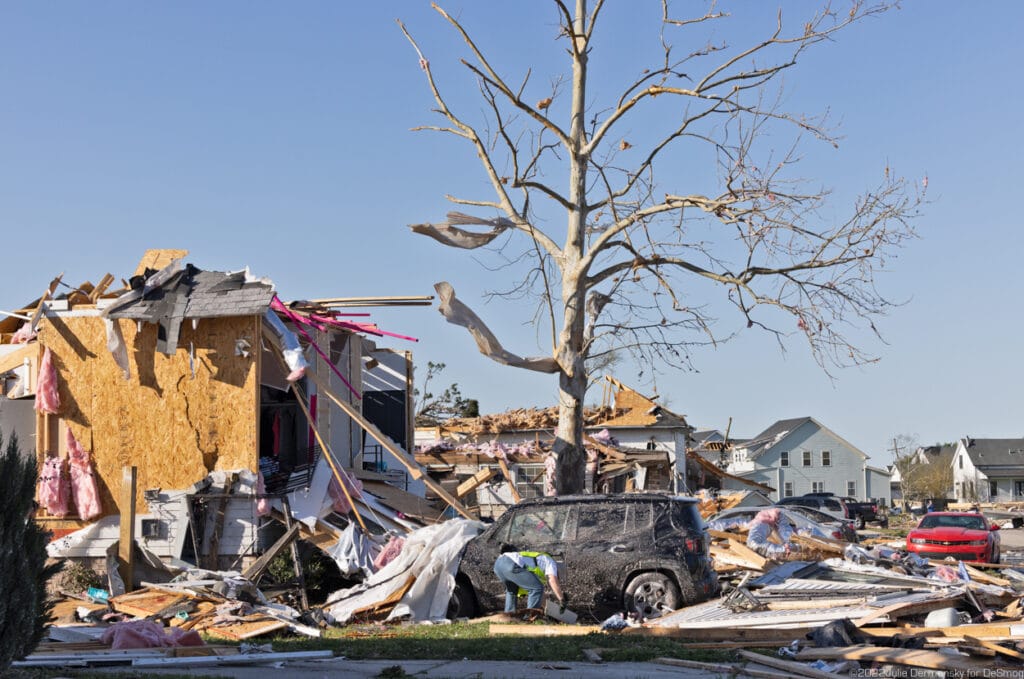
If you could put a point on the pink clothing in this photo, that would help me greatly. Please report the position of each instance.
(54, 487)
(47, 399)
(83, 481)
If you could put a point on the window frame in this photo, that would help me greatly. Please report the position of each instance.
(784, 458)
(817, 486)
(826, 458)
(851, 488)
(787, 489)
(808, 458)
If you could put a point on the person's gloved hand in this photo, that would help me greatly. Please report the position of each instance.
(563, 603)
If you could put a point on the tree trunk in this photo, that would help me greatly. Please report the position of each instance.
(571, 457)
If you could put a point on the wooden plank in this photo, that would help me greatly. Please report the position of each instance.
(768, 637)
(38, 312)
(101, 287)
(509, 479)
(157, 259)
(151, 604)
(254, 571)
(1001, 650)
(933, 660)
(793, 668)
(126, 544)
(475, 481)
(251, 626)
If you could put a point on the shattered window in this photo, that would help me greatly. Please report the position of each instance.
(537, 526)
(643, 516)
(600, 522)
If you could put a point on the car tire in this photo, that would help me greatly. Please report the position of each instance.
(652, 594)
(861, 523)
(463, 602)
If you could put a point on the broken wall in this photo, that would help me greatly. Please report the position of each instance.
(176, 418)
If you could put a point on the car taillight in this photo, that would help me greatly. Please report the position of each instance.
(837, 535)
(694, 544)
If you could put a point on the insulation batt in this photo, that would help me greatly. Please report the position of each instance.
(340, 502)
(47, 399)
(148, 634)
(761, 528)
(54, 487)
(83, 481)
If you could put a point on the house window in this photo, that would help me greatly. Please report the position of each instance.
(826, 458)
(807, 458)
(530, 480)
(960, 461)
(784, 459)
(817, 486)
(652, 444)
(787, 489)
(993, 490)
(851, 488)
(1018, 490)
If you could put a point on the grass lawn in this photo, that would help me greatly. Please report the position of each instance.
(472, 640)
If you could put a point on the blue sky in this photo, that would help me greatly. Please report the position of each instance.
(277, 136)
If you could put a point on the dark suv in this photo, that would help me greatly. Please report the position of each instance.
(643, 552)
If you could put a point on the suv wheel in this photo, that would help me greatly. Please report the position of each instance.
(463, 601)
(652, 594)
(861, 523)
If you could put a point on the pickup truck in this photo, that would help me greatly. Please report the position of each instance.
(861, 512)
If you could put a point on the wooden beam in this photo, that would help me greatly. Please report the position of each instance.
(126, 544)
(300, 575)
(254, 571)
(1001, 650)
(475, 481)
(407, 460)
(933, 660)
(101, 287)
(791, 668)
(717, 668)
(509, 479)
(213, 554)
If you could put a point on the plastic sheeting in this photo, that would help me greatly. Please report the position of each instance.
(764, 525)
(430, 556)
(84, 489)
(354, 552)
(290, 347)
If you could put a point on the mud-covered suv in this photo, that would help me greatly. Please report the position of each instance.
(643, 552)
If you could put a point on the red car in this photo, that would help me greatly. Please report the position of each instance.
(967, 536)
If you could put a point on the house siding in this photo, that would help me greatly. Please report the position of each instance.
(969, 483)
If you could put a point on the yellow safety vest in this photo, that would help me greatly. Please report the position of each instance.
(536, 570)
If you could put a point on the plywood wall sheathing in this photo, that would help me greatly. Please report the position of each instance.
(173, 426)
(158, 259)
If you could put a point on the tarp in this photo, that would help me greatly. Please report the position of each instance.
(431, 557)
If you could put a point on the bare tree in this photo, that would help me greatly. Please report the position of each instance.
(634, 265)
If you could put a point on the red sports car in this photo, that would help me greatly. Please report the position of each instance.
(967, 536)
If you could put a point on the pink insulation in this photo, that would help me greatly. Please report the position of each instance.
(262, 503)
(148, 634)
(54, 487)
(47, 399)
(83, 481)
(340, 501)
(24, 335)
(390, 551)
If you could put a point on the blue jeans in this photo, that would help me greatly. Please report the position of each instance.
(515, 577)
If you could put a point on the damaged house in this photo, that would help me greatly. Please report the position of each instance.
(633, 444)
(198, 402)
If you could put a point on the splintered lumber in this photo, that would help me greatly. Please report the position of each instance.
(717, 668)
(146, 603)
(218, 524)
(747, 557)
(753, 635)
(786, 665)
(990, 631)
(475, 481)
(496, 630)
(252, 626)
(101, 287)
(981, 576)
(932, 660)
(254, 571)
(383, 607)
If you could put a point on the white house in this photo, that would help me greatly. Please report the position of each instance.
(988, 470)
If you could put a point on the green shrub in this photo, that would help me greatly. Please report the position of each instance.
(24, 609)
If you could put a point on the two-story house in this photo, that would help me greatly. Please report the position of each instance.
(801, 455)
(988, 470)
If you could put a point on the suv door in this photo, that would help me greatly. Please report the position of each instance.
(606, 543)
